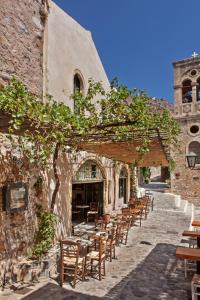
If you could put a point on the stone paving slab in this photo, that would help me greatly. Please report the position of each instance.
(146, 268)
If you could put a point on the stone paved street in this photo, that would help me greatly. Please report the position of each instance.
(146, 268)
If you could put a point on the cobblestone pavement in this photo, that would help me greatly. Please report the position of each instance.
(146, 268)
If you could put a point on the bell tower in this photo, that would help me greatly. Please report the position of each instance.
(184, 181)
(187, 86)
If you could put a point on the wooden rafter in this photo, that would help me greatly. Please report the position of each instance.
(103, 141)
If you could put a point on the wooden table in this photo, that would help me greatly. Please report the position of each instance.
(83, 207)
(196, 234)
(196, 223)
(193, 233)
(188, 253)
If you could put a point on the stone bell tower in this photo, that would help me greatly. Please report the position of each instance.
(186, 86)
(185, 181)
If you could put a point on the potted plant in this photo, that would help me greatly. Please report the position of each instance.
(177, 175)
(146, 172)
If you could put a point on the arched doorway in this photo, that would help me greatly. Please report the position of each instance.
(87, 188)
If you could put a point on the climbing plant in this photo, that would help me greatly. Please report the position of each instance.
(45, 234)
(46, 127)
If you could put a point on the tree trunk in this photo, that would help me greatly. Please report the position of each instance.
(57, 180)
(133, 181)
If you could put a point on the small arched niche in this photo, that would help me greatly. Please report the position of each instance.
(187, 91)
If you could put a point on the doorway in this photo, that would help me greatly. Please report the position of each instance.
(83, 194)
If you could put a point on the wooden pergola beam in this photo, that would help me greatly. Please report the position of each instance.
(106, 143)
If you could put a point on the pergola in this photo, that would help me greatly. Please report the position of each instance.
(108, 145)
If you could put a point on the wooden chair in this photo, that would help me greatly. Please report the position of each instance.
(100, 224)
(125, 211)
(71, 263)
(137, 213)
(93, 212)
(195, 286)
(128, 218)
(122, 232)
(111, 242)
(97, 256)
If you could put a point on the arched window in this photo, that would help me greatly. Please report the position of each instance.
(187, 91)
(198, 89)
(78, 87)
(122, 184)
(195, 148)
(89, 171)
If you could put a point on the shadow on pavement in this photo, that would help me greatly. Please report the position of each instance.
(156, 277)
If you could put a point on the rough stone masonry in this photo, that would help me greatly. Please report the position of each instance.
(21, 41)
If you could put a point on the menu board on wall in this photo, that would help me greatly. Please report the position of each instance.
(15, 196)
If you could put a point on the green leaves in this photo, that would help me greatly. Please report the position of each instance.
(118, 112)
(45, 233)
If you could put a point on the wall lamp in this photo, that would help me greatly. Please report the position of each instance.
(191, 159)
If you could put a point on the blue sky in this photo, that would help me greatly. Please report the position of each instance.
(138, 40)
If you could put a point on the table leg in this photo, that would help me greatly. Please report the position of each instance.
(198, 262)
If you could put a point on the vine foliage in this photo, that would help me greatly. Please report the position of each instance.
(45, 234)
(46, 127)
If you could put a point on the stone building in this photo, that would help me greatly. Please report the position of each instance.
(51, 53)
(21, 55)
(185, 181)
(71, 59)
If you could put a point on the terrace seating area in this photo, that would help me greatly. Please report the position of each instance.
(191, 256)
(150, 251)
(86, 252)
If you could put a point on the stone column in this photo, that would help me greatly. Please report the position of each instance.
(194, 97)
(178, 99)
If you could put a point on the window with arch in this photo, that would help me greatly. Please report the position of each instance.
(89, 171)
(198, 89)
(195, 148)
(78, 87)
(187, 91)
(122, 184)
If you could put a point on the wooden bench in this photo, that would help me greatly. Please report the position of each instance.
(188, 253)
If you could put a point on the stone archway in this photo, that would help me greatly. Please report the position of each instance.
(88, 186)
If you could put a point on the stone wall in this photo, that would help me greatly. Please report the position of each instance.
(184, 181)
(17, 229)
(21, 41)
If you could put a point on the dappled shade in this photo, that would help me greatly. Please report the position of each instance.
(126, 152)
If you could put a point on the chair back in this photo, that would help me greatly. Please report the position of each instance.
(70, 251)
(127, 218)
(93, 206)
(114, 233)
(106, 218)
(102, 247)
(125, 211)
(100, 224)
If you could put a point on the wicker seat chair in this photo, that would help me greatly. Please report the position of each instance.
(71, 263)
(95, 260)
(93, 212)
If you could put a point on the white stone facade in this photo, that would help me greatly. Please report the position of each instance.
(69, 50)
